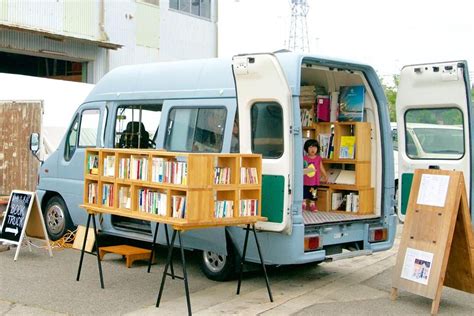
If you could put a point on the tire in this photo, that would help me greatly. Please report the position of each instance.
(218, 267)
(57, 218)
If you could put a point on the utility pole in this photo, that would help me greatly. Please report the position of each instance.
(298, 39)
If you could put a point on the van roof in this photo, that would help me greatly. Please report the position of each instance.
(200, 78)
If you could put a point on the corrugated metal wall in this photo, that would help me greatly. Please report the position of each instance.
(69, 17)
(148, 33)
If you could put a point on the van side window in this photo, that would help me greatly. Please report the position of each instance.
(82, 133)
(196, 130)
(136, 125)
(267, 129)
(434, 133)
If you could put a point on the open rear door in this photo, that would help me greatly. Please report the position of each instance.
(434, 123)
(264, 103)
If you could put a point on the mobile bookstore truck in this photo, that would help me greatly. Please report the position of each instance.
(249, 104)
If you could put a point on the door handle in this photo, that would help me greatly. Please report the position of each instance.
(434, 167)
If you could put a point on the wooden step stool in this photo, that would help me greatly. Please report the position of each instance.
(129, 252)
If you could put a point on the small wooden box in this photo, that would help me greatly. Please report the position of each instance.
(323, 201)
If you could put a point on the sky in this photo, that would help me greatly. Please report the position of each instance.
(385, 34)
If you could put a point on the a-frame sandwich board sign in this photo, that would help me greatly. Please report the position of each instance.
(23, 218)
(437, 246)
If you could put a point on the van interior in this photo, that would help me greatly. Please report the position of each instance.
(364, 175)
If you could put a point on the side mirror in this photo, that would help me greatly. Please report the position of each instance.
(34, 142)
(35, 145)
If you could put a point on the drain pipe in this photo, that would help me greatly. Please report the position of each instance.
(103, 34)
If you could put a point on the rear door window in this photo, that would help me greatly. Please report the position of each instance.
(434, 133)
(267, 129)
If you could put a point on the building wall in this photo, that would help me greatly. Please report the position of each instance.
(148, 33)
(184, 36)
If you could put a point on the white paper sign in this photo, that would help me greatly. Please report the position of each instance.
(417, 266)
(433, 190)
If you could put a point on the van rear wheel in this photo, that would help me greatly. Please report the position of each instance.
(218, 267)
(56, 218)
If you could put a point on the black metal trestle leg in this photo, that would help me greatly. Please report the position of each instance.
(242, 260)
(153, 246)
(185, 276)
(263, 264)
(83, 247)
(168, 244)
(165, 271)
(97, 250)
(169, 261)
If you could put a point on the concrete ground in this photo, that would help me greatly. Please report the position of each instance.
(39, 285)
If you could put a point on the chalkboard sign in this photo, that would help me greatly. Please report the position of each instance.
(23, 216)
(14, 221)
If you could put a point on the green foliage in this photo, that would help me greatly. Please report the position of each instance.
(435, 116)
(391, 94)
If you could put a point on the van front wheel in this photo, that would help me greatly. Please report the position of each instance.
(56, 218)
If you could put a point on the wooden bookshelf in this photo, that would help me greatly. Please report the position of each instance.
(186, 190)
(359, 165)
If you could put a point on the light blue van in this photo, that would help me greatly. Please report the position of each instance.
(252, 104)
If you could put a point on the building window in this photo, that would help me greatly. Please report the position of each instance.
(200, 8)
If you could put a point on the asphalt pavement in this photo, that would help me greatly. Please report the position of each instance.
(37, 284)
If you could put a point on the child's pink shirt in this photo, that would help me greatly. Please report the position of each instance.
(316, 162)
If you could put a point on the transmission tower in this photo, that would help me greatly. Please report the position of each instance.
(298, 40)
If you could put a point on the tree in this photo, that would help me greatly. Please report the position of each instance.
(391, 94)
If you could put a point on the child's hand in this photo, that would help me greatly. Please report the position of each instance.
(324, 178)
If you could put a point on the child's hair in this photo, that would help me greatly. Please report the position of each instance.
(311, 142)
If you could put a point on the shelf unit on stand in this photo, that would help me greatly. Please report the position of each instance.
(184, 190)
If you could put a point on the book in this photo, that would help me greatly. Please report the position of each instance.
(346, 177)
(349, 197)
(336, 201)
(351, 103)
(355, 203)
(347, 147)
(332, 175)
(323, 110)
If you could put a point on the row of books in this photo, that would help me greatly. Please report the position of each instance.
(124, 197)
(248, 207)
(152, 202)
(345, 105)
(222, 175)
(224, 209)
(346, 147)
(155, 202)
(108, 195)
(307, 117)
(133, 168)
(178, 206)
(248, 175)
(348, 202)
(109, 166)
(93, 164)
(92, 193)
(165, 171)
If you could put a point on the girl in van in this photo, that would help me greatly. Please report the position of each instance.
(313, 172)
